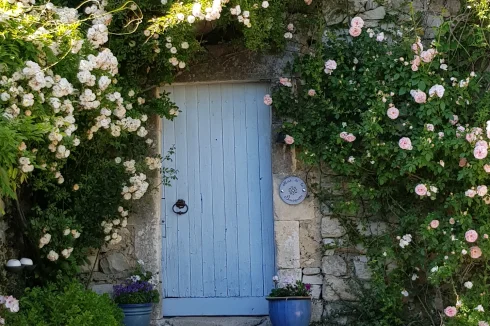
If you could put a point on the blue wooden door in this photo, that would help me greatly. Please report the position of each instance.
(218, 259)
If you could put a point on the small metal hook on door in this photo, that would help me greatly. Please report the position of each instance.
(181, 205)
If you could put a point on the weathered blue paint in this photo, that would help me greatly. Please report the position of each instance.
(218, 259)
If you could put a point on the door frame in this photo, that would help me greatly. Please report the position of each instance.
(206, 310)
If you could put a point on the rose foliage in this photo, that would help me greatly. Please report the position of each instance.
(403, 126)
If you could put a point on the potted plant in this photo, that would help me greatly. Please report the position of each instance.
(136, 297)
(290, 305)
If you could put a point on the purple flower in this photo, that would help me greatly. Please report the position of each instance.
(308, 287)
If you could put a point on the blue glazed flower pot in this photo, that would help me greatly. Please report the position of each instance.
(290, 311)
(137, 314)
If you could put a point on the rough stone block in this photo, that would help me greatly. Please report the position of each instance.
(114, 262)
(375, 14)
(331, 228)
(288, 276)
(362, 268)
(284, 158)
(312, 279)
(316, 291)
(335, 289)
(310, 240)
(287, 244)
(372, 228)
(316, 310)
(285, 212)
(311, 270)
(432, 23)
(87, 267)
(334, 265)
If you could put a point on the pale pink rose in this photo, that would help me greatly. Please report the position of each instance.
(450, 311)
(289, 140)
(343, 134)
(285, 82)
(267, 99)
(437, 90)
(471, 137)
(419, 96)
(470, 193)
(452, 221)
(350, 138)
(485, 236)
(357, 22)
(434, 224)
(428, 56)
(481, 190)
(415, 68)
(405, 143)
(308, 2)
(415, 61)
(480, 152)
(462, 162)
(421, 190)
(393, 113)
(475, 252)
(471, 235)
(454, 120)
(417, 47)
(486, 167)
(380, 37)
(482, 323)
(355, 31)
(429, 127)
(482, 143)
(311, 92)
(290, 27)
(330, 65)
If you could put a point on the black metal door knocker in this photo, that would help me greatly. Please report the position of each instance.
(179, 207)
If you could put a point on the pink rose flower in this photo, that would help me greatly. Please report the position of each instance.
(308, 2)
(415, 68)
(462, 162)
(485, 236)
(355, 31)
(350, 138)
(357, 22)
(267, 99)
(429, 127)
(471, 137)
(415, 61)
(419, 96)
(470, 193)
(450, 311)
(343, 134)
(437, 90)
(481, 190)
(482, 323)
(482, 143)
(330, 65)
(471, 235)
(289, 140)
(421, 190)
(290, 27)
(480, 152)
(454, 120)
(405, 143)
(311, 92)
(285, 82)
(417, 47)
(392, 113)
(486, 167)
(434, 224)
(428, 56)
(475, 252)
(452, 221)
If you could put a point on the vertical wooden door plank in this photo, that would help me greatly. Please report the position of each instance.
(241, 175)
(182, 193)
(172, 255)
(230, 195)
(254, 211)
(265, 150)
(218, 190)
(194, 200)
(206, 190)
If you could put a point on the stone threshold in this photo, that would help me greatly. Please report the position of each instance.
(212, 321)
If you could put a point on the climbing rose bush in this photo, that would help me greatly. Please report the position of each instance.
(404, 130)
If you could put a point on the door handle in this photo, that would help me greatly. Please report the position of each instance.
(180, 207)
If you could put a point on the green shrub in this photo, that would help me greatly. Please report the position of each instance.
(67, 305)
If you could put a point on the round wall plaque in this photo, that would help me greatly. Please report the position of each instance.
(293, 190)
